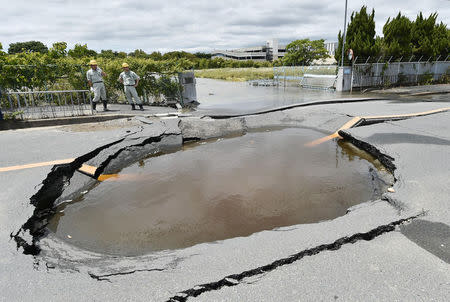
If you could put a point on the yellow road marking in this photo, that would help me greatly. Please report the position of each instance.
(322, 140)
(356, 119)
(127, 177)
(91, 169)
(104, 177)
(88, 169)
(407, 114)
(35, 165)
(347, 125)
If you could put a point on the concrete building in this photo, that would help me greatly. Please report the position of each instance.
(331, 48)
(271, 51)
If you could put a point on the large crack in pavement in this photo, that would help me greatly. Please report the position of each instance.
(385, 159)
(147, 141)
(54, 185)
(105, 277)
(43, 200)
(307, 104)
(235, 279)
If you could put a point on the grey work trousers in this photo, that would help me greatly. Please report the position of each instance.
(131, 93)
(99, 92)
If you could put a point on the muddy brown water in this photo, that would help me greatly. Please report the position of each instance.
(217, 190)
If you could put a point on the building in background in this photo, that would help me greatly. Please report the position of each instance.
(271, 51)
(331, 48)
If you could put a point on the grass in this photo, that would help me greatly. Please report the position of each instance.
(236, 74)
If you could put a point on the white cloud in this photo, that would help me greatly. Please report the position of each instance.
(190, 25)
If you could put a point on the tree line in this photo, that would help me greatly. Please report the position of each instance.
(402, 37)
(33, 66)
(199, 60)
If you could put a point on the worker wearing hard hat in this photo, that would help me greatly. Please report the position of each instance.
(130, 80)
(95, 79)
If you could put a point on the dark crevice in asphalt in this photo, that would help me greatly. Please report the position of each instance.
(105, 277)
(235, 279)
(385, 159)
(225, 116)
(147, 141)
(52, 188)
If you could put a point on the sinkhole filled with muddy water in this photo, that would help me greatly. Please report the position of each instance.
(220, 189)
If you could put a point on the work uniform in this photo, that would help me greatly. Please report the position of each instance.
(95, 76)
(129, 79)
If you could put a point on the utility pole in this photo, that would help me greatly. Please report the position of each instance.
(345, 33)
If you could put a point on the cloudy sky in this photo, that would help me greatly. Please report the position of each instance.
(193, 25)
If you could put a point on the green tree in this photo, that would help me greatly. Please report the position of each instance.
(397, 37)
(304, 52)
(138, 53)
(82, 51)
(428, 38)
(30, 46)
(179, 55)
(202, 55)
(156, 55)
(108, 54)
(121, 54)
(59, 50)
(360, 35)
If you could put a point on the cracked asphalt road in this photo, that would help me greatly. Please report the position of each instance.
(408, 260)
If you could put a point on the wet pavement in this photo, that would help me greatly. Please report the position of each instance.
(217, 190)
(393, 248)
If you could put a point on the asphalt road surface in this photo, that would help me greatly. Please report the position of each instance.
(396, 248)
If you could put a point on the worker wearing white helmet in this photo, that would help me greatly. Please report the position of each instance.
(95, 79)
(130, 80)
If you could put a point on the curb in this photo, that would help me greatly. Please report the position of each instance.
(12, 125)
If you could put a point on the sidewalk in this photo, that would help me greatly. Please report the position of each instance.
(115, 111)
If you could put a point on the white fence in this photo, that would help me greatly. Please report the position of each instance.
(48, 104)
(398, 73)
(294, 75)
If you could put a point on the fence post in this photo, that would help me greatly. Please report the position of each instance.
(377, 74)
(435, 68)
(398, 69)
(10, 102)
(418, 69)
(351, 77)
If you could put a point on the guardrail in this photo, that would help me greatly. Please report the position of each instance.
(47, 104)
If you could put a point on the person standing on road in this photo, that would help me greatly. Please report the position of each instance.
(95, 79)
(130, 80)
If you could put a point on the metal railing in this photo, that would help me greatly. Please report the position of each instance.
(293, 75)
(47, 104)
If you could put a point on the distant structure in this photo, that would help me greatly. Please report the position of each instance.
(331, 48)
(271, 51)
